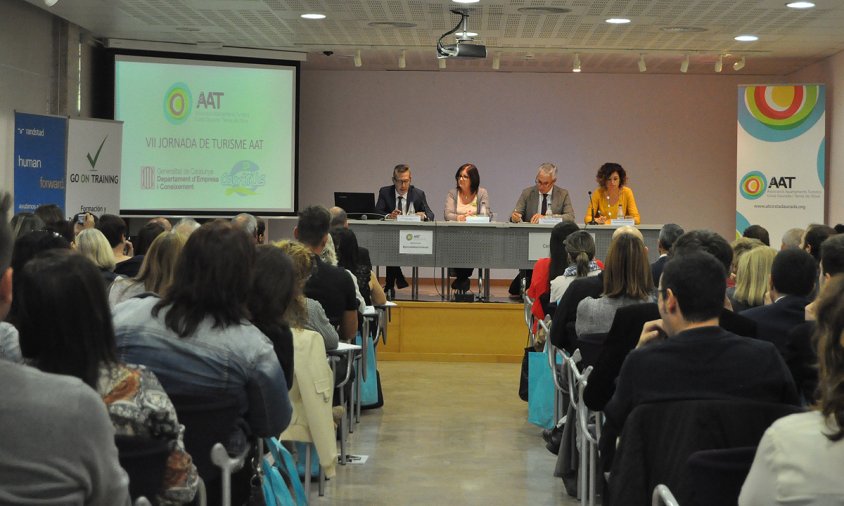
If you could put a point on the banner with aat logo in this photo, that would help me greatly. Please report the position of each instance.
(780, 160)
(93, 166)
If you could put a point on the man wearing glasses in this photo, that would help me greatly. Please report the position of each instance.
(401, 198)
(536, 201)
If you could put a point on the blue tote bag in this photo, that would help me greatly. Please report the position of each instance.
(540, 390)
(369, 387)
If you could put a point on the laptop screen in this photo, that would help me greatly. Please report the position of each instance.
(355, 203)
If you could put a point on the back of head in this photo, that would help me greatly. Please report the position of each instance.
(757, 232)
(185, 227)
(626, 270)
(92, 244)
(754, 270)
(580, 250)
(338, 217)
(698, 281)
(247, 223)
(832, 255)
(707, 241)
(146, 235)
(24, 223)
(273, 287)
(794, 272)
(791, 238)
(64, 320)
(557, 247)
(346, 247)
(113, 228)
(212, 279)
(829, 332)
(159, 265)
(28, 246)
(814, 237)
(54, 219)
(164, 222)
(668, 234)
(313, 225)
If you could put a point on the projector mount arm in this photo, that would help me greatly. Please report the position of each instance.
(444, 52)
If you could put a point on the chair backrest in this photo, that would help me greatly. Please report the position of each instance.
(144, 460)
(207, 420)
(657, 439)
(716, 476)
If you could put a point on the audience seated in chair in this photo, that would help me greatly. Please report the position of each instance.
(546, 270)
(156, 273)
(57, 443)
(65, 328)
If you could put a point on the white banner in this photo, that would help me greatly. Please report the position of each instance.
(780, 159)
(416, 242)
(93, 166)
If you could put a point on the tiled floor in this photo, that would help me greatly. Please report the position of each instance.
(449, 433)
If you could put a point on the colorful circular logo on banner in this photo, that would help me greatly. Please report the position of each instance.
(753, 185)
(178, 103)
(780, 113)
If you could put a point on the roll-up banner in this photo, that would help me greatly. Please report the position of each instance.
(781, 160)
(93, 166)
(40, 150)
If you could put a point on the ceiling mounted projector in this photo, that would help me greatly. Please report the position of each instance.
(462, 48)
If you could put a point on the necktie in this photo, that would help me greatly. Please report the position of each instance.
(399, 205)
(544, 203)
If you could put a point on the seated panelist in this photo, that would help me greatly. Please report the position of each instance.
(466, 199)
(536, 201)
(610, 194)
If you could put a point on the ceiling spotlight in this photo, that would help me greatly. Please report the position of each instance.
(800, 5)
(617, 21)
(739, 64)
(441, 63)
(747, 38)
(575, 67)
(402, 59)
(496, 61)
(719, 63)
(684, 67)
(358, 60)
(642, 66)
(313, 15)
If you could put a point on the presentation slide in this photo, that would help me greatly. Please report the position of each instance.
(206, 137)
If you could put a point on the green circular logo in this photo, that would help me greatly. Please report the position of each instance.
(177, 103)
(409, 237)
(753, 185)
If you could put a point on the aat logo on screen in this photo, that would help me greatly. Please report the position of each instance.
(243, 179)
(178, 103)
(753, 185)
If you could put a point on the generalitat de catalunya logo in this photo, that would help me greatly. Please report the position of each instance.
(753, 185)
(178, 103)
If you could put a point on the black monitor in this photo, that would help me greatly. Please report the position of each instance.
(357, 205)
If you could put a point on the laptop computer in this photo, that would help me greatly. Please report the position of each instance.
(357, 204)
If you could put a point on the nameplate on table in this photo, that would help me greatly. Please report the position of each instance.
(550, 220)
(539, 245)
(416, 242)
(620, 222)
(409, 217)
(477, 219)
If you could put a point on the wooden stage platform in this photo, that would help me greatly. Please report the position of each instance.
(455, 332)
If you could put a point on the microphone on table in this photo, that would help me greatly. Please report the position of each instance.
(592, 211)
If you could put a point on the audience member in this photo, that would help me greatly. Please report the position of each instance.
(248, 224)
(304, 312)
(791, 238)
(157, 270)
(57, 443)
(197, 338)
(24, 223)
(164, 222)
(81, 221)
(114, 229)
(547, 269)
(339, 218)
(185, 227)
(54, 220)
(752, 274)
(273, 289)
(65, 328)
(261, 234)
(348, 258)
(146, 235)
(328, 285)
(669, 233)
(814, 236)
(91, 243)
(757, 232)
(740, 246)
(799, 459)
(580, 257)
(685, 355)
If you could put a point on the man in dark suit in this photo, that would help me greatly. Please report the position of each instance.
(401, 198)
(685, 355)
(669, 233)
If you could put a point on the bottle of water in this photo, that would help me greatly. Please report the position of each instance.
(482, 212)
(620, 214)
(548, 212)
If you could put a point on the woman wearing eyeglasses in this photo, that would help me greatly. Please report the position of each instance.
(611, 194)
(466, 199)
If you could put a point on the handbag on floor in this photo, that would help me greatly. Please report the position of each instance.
(540, 390)
(280, 476)
(371, 396)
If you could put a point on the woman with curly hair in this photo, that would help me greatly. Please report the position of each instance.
(611, 193)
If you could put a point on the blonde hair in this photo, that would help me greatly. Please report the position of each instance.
(303, 264)
(156, 272)
(741, 246)
(752, 273)
(626, 270)
(92, 244)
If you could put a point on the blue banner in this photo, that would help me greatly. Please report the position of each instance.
(40, 160)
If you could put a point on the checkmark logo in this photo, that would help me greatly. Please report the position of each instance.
(93, 160)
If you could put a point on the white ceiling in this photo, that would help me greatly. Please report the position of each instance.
(789, 39)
